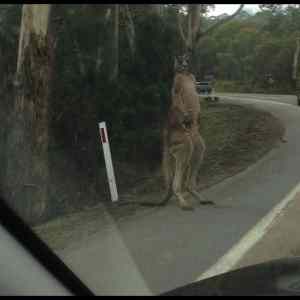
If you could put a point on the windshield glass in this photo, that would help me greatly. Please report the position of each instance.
(140, 181)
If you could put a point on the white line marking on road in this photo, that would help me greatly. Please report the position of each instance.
(237, 252)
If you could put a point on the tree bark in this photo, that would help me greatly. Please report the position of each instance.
(157, 9)
(99, 55)
(99, 60)
(27, 164)
(81, 64)
(180, 27)
(115, 67)
(295, 61)
(201, 34)
(194, 33)
(295, 79)
(130, 29)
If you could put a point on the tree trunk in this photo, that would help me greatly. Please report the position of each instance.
(155, 9)
(194, 32)
(115, 68)
(295, 62)
(99, 55)
(295, 79)
(27, 163)
(130, 30)
(81, 64)
(99, 60)
(194, 14)
(193, 27)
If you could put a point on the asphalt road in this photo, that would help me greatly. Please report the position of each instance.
(168, 247)
(286, 99)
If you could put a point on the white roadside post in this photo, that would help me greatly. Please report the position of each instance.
(108, 162)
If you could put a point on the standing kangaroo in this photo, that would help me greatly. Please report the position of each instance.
(183, 146)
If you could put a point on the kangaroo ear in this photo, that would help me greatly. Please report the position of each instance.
(185, 61)
(186, 58)
(175, 63)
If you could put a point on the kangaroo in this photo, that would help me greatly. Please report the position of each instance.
(177, 153)
(183, 146)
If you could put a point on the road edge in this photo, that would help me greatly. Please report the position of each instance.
(238, 251)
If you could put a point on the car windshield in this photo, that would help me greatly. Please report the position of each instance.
(137, 179)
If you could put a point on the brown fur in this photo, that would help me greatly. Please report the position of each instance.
(183, 146)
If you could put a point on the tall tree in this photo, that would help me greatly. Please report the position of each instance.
(27, 165)
(194, 32)
(115, 65)
(130, 29)
(156, 9)
(296, 57)
(295, 79)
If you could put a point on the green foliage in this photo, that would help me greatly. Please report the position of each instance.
(133, 107)
(246, 51)
(10, 15)
(10, 22)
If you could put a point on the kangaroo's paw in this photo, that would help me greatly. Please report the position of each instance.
(201, 199)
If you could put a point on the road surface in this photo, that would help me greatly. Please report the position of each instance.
(169, 247)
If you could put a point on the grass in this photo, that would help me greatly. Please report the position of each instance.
(231, 86)
(236, 137)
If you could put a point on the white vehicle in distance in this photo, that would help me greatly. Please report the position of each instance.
(205, 89)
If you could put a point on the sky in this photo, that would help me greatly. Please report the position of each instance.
(231, 8)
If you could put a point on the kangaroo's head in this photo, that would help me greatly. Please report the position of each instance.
(182, 62)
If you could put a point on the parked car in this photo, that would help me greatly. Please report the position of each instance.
(205, 89)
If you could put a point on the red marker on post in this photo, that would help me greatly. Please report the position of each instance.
(108, 162)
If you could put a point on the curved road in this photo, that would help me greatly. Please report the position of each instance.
(169, 247)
